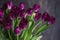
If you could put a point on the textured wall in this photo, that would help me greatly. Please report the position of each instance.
(51, 6)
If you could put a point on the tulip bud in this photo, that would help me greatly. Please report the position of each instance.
(7, 23)
(37, 16)
(17, 31)
(14, 12)
(8, 26)
(30, 11)
(22, 6)
(23, 23)
(36, 8)
(22, 14)
(7, 5)
(1, 14)
(45, 16)
(51, 20)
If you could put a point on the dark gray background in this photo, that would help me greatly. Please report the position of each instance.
(52, 7)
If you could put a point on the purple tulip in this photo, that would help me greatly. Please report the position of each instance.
(45, 16)
(12, 16)
(22, 6)
(23, 23)
(37, 16)
(14, 12)
(7, 5)
(17, 30)
(29, 11)
(51, 20)
(36, 7)
(7, 23)
(1, 14)
(8, 26)
(22, 14)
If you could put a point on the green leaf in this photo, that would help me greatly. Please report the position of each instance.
(17, 21)
(6, 12)
(36, 37)
(9, 35)
(1, 36)
(36, 25)
(13, 22)
(39, 37)
(27, 33)
(29, 30)
(41, 29)
(32, 28)
(32, 17)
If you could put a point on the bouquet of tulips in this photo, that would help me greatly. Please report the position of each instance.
(16, 23)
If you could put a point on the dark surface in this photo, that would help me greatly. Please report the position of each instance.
(53, 7)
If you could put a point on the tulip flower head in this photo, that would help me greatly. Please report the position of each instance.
(8, 26)
(23, 23)
(45, 16)
(17, 30)
(22, 6)
(36, 7)
(30, 11)
(7, 23)
(14, 12)
(37, 16)
(1, 14)
(22, 14)
(7, 5)
(51, 20)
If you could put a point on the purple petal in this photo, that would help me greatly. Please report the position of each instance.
(1, 14)
(22, 6)
(17, 30)
(51, 20)
(8, 26)
(9, 4)
(23, 23)
(36, 7)
(30, 11)
(45, 16)
(22, 14)
(12, 16)
(37, 16)
(7, 23)
(14, 12)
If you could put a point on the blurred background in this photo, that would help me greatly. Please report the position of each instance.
(52, 7)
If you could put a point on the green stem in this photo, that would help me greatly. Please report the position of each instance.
(31, 37)
(13, 25)
(17, 37)
(9, 35)
(21, 36)
(42, 28)
(36, 25)
(26, 36)
(2, 34)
